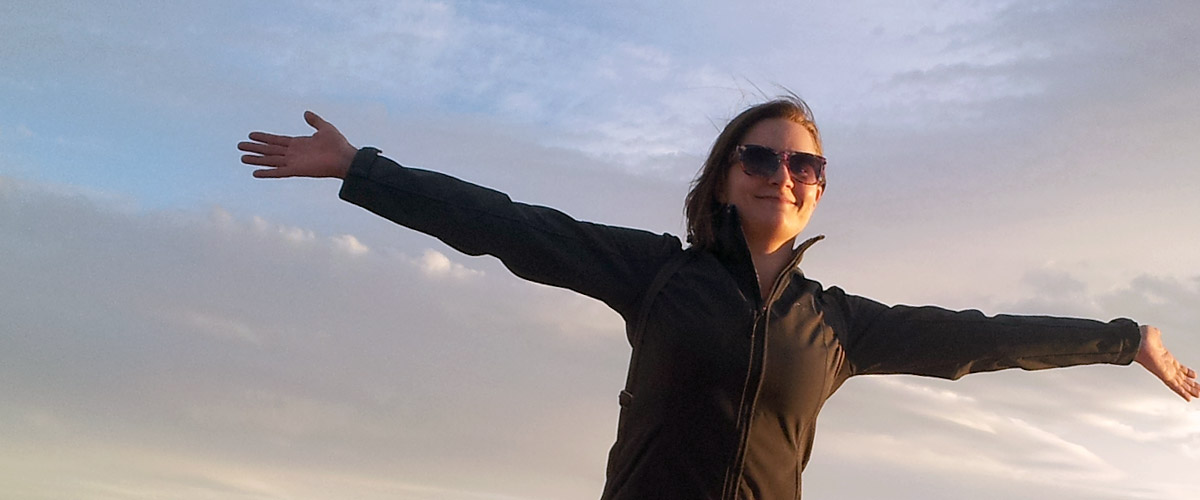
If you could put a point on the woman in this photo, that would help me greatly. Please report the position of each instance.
(734, 350)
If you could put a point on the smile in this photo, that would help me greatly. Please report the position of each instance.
(778, 199)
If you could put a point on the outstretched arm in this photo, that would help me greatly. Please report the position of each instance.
(326, 153)
(1160, 362)
(937, 342)
(539, 244)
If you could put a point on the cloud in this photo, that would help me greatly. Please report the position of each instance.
(1030, 452)
(226, 339)
(350, 245)
(216, 326)
(1006, 437)
(1165, 302)
(1169, 424)
(435, 264)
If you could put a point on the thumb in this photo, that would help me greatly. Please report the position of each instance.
(315, 121)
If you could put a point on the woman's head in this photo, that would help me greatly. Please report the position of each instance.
(783, 124)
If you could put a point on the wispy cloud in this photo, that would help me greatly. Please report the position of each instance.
(1030, 452)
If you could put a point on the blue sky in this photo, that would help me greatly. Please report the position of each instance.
(174, 328)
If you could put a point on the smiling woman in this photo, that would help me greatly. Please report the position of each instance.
(734, 350)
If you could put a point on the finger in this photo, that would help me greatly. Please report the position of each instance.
(272, 173)
(1179, 389)
(279, 140)
(265, 161)
(1186, 388)
(262, 149)
(315, 121)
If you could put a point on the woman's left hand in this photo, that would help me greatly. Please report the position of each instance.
(1159, 361)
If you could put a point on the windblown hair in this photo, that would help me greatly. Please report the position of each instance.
(704, 200)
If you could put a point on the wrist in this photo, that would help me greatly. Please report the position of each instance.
(346, 156)
(1148, 336)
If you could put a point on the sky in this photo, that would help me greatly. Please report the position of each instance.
(171, 327)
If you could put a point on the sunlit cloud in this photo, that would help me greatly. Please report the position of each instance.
(436, 264)
(349, 244)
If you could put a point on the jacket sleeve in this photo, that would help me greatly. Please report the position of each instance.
(937, 342)
(539, 244)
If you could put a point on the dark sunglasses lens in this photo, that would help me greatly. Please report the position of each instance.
(758, 160)
(805, 168)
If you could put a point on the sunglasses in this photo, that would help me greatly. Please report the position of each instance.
(805, 168)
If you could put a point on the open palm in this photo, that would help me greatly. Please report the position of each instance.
(326, 153)
(1159, 361)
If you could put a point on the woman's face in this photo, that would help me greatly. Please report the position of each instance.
(773, 210)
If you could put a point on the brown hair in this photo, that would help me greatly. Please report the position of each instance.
(703, 201)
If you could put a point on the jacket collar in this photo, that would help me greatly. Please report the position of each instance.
(732, 250)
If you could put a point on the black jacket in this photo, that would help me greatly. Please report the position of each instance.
(724, 388)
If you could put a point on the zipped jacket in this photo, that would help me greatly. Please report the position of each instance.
(724, 387)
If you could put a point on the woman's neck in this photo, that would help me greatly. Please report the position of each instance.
(769, 261)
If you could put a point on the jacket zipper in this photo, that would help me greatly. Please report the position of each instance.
(754, 375)
(750, 390)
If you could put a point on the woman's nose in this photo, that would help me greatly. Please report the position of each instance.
(782, 176)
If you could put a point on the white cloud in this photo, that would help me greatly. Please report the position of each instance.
(349, 244)
(435, 264)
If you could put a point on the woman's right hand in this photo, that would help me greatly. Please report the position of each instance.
(326, 153)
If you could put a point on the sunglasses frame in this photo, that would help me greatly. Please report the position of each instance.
(817, 162)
